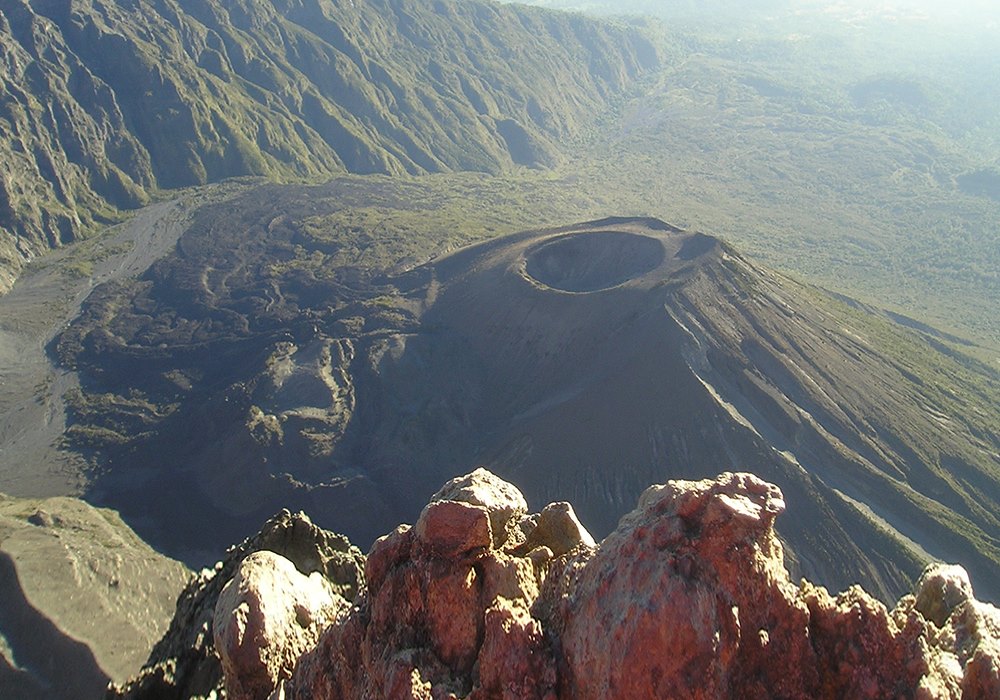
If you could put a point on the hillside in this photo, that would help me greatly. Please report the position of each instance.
(83, 598)
(343, 348)
(105, 103)
(244, 372)
(853, 146)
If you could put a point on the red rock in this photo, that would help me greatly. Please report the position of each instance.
(388, 551)
(515, 662)
(502, 500)
(688, 598)
(454, 618)
(454, 530)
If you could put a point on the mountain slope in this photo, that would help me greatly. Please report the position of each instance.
(243, 372)
(105, 101)
(83, 598)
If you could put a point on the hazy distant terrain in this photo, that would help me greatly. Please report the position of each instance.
(859, 149)
(854, 145)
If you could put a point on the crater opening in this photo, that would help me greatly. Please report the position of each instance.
(590, 262)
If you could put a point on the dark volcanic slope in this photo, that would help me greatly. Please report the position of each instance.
(582, 363)
(701, 363)
(105, 100)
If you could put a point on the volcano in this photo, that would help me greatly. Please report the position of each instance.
(582, 363)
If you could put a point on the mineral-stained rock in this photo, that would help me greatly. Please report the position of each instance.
(482, 488)
(185, 663)
(454, 530)
(682, 599)
(688, 598)
(982, 674)
(446, 613)
(861, 650)
(514, 661)
(267, 616)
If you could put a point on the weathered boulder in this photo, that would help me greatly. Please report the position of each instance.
(267, 616)
(502, 500)
(514, 660)
(454, 530)
(966, 633)
(446, 613)
(185, 663)
(940, 590)
(558, 529)
(687, 598)
(862, 650)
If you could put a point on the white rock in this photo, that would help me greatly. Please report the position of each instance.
(267, 616)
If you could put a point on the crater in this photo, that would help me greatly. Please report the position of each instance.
(590, 262)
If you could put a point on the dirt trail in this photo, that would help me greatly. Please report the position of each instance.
(45, 298)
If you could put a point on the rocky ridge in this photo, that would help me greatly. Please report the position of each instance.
(184, 663)
(687, 598)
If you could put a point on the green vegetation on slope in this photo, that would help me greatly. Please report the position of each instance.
(263, 285)
(103, 102)
(872, 211)
(860, 154)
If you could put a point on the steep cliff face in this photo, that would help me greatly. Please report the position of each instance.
(68, 155)
(687, 598)
(105, 101)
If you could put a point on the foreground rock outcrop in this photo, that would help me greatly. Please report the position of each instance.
(266, 617)
(687, 598)
(185, 662)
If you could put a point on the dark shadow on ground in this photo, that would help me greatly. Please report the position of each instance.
(51, 665)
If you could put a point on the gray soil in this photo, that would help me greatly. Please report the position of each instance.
(83, 599)
(42, 302)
